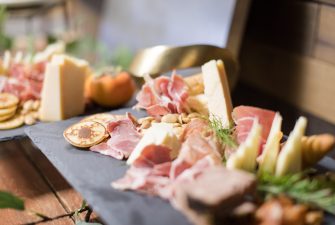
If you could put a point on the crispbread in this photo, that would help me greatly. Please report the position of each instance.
(103, 118)
(85, 134)
(15, 122)
(8, 100)
(6, 111)
(6, 117)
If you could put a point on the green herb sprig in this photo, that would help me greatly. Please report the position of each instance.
(225, 135)
(316, 192)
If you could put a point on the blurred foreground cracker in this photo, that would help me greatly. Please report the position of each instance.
(6, 111)
(15, 122)
(85, 134)
(8, 100)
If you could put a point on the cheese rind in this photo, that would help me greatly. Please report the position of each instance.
(245, 156)
(217, 91)
(290, 157)
(157, 134)
(63, 89)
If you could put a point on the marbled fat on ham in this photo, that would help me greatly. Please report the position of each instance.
(124, 138)
(163, 95)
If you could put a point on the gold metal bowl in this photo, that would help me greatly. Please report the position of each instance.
(161, 59)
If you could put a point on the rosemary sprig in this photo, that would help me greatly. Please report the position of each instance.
(225, 135)
(316, 192)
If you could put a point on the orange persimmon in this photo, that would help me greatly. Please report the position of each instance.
(110, 90)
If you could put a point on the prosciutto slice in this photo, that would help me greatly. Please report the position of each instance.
(163, 95)
(124, 138)
(244, 116)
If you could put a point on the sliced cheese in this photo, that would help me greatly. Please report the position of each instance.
(198, 103)
(272, 146)
(245, 156)
(49, 51)
(289, 159)
(157, 134)
(217, 91)
(63, 89)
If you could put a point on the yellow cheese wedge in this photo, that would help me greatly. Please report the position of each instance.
(245, 156)
(217, 91)
(272, 146)
(157, 134)
(289, 159)
(63, 89)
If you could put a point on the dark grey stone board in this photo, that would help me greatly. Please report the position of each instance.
(91, 174)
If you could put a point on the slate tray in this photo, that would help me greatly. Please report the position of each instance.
(91, 174)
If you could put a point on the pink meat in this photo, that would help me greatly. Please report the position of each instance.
(194, 149)
(244, 116)
(163, 95)
(124, 138)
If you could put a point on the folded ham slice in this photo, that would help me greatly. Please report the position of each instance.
(163, 95)
(124, 138)
(244, 116)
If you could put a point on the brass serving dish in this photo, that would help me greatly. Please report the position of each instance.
(161, 59)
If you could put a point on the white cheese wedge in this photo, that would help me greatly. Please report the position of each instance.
(157, 134)
(245, 156)
(198, 103)
(289, 159)
(49, 51)
(63, 89)
(217, 91)
(271, 148)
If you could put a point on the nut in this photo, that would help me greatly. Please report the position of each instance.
(36, 105)
(176, 125)
(148, 118)
(29, 119)
(170, 118)
(193, 115)
(28, 106)
(146, 124)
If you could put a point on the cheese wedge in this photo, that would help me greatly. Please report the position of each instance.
(290, 157)
(271, 150)
(49, 51)
(63, 90)
(217, 91)
(245, 156)
(157, 134)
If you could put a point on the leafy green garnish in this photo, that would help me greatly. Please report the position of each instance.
(316, 192)
(225, 135)
(8, 200)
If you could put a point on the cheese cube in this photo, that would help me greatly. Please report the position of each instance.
(289, 159)
(157, 134)
(217, 91)
(63, 89)
(245, 156)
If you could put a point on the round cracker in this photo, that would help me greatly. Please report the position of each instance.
(103, 118)
(85, 134)
(8, 100)
(6, 117)
(15, 122)
(6, 111)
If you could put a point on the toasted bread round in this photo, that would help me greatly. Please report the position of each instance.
(14, 122)
(103, 118)
(6, 111)
(8, 100)
(85, 134)
(6, 117)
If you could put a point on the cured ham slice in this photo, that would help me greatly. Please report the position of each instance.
(194, 149)
(124, 138)
(243, 117)
(163, 95)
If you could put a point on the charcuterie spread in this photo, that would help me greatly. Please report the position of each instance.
(216, 163)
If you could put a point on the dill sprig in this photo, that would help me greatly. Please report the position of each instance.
(225, 135)
(315, 191)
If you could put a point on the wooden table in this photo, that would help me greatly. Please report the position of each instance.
(26, 172)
